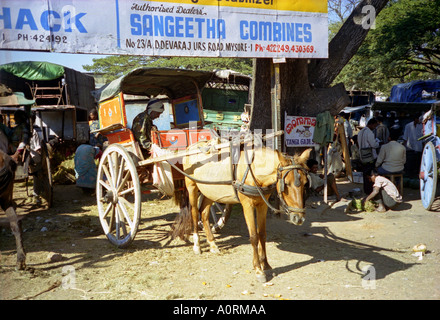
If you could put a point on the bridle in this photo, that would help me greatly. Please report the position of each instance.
(297, 183)
(281, 180)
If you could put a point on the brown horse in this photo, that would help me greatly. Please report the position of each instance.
(215, 176)
(7, 175)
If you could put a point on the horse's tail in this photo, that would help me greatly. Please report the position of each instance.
(182, 225)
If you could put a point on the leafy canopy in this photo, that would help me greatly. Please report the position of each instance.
(404, 46)
(113, 67)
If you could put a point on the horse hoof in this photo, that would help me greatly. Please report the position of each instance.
(21, 265)
(197, 250)
(261, 278)
(214, 250)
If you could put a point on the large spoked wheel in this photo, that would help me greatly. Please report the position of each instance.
(118, 196)
(428, 175)
(219, 214)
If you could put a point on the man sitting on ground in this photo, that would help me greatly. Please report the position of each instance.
(384, 192)
(317, 180)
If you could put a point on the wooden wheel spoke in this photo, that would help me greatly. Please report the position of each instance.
(107, 173)
(107, 210)
(120, 172)
(125, 214)
(126, 191)
(124, 181)
(105, 185)
(112, 166)
(121, 223)
(126, 203)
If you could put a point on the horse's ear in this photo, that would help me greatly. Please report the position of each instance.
(305, 156)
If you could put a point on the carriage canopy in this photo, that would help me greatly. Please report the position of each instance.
(174, 83)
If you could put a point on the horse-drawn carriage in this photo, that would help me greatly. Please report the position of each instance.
(195, 162)
(119, 103)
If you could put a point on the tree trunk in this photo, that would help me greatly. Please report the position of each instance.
(305, 84)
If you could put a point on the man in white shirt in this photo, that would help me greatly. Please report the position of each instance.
(414, 147)
(366, 140)
(392, 156)
(36, 164)
(384, 192)
(411, 134)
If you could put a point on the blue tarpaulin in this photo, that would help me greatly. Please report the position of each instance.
(413, 91)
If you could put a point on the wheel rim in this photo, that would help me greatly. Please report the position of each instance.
(428, 175)
(118, 196)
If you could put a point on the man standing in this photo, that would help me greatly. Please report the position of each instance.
(367, 150)
(382, 133)
(414, 147)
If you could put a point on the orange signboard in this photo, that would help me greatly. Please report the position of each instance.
(112, 112)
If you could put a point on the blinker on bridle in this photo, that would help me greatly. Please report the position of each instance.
(297, 183)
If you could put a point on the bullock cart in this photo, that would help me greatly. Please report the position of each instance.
(124, 172)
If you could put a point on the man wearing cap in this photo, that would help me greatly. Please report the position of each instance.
(143, 123)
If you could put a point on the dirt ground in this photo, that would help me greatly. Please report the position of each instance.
(334, 255)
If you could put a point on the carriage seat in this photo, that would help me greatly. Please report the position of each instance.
(394, 177)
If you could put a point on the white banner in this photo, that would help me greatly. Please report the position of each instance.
(206, 28)
(298, 131)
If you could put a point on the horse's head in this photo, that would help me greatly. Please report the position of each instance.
(291, 181)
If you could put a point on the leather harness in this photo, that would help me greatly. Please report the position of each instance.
(255, 191)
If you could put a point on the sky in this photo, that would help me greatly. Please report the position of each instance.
(69, 60)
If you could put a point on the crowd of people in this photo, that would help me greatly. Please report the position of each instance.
(381, 147)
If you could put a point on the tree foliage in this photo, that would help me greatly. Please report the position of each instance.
(404, 46)
(113, 67)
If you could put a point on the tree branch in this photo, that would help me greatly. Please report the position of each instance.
(344, 45)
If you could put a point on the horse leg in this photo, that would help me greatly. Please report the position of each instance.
(205, 209)
(16, 230)
(248, 211)
(261, 223)
(193, 198)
